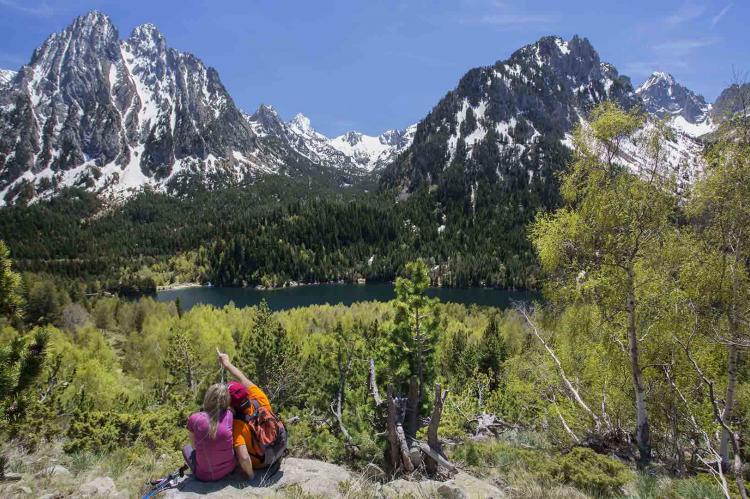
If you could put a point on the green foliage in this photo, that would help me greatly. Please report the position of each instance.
(11, 300)
(161, 428)
(21, 363)
(590, 471)
(414, 333)
(181, 360)
(267, 355)
(271, 234)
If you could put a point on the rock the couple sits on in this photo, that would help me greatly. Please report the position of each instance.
(237, 427)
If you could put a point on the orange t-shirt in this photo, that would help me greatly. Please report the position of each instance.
(240, 430)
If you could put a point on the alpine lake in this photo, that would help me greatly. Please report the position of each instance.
(346, 294)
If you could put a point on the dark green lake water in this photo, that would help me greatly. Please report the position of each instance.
(302, 296)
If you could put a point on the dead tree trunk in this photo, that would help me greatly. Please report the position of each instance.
(374, 385)
(398, 448)
(337, 406)
(433, 441)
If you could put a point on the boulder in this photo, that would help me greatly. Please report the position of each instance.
(465, 486)
(99, 487)
(296, 477)
(408, 488)
(57, 470)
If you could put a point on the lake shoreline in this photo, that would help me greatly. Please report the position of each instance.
(334, 293)
(180, 285)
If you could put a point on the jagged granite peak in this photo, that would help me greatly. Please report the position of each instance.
(663, 96)
(302, 125)
(266, 121)
(93, 110)
(147, 39)
(521, 110)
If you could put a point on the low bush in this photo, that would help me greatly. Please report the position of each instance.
(587, 470)
(105, 432)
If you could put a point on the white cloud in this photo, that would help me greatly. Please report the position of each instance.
(687, 12)
(40, 10)
(677, 48)
(504, 15)
(715, 20)
(514, 19)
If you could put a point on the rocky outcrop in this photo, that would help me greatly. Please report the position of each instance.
(312, 477)
(305, 477)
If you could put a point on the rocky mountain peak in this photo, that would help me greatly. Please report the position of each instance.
(663, 96)
(148, 39)
(352, 138)
(301, 124)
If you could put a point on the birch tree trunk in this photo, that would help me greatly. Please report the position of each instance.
(642, 437)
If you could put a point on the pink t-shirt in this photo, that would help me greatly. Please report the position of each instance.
(214, 458)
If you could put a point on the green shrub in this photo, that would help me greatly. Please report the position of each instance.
(585, 469)
(105, 431)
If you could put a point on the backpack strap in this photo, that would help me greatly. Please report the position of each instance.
(243, 416)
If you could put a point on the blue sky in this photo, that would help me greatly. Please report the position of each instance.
(371, 65)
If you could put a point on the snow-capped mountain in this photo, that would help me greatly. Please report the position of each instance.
(352, 151)
(374, 153)
(504, 126)
(91, 109)
(509, 120)
(687, 111)
(663, 96)
(108, 114)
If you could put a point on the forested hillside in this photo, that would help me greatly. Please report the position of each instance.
(268, 234)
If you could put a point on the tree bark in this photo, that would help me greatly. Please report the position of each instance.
(726, 414)
(642, 437)
(406, 463)
(374, 385)
(393, 444)
(412, 408)
(433, 441)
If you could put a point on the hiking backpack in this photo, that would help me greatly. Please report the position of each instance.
(269, 434)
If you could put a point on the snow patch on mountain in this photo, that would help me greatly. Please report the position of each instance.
(6, 75)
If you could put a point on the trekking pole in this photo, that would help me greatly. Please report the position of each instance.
(221, 368)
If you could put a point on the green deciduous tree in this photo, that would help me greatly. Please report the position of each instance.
(597, 245)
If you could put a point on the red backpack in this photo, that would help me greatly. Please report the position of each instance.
(269, 434)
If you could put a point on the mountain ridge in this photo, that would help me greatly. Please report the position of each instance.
(112, 115)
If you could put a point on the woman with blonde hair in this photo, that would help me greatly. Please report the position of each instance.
(211, 456)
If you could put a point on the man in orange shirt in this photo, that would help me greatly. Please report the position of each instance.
(246, 449)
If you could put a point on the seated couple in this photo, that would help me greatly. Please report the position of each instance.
(236, 426)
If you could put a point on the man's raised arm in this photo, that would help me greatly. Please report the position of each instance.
(226, 364)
